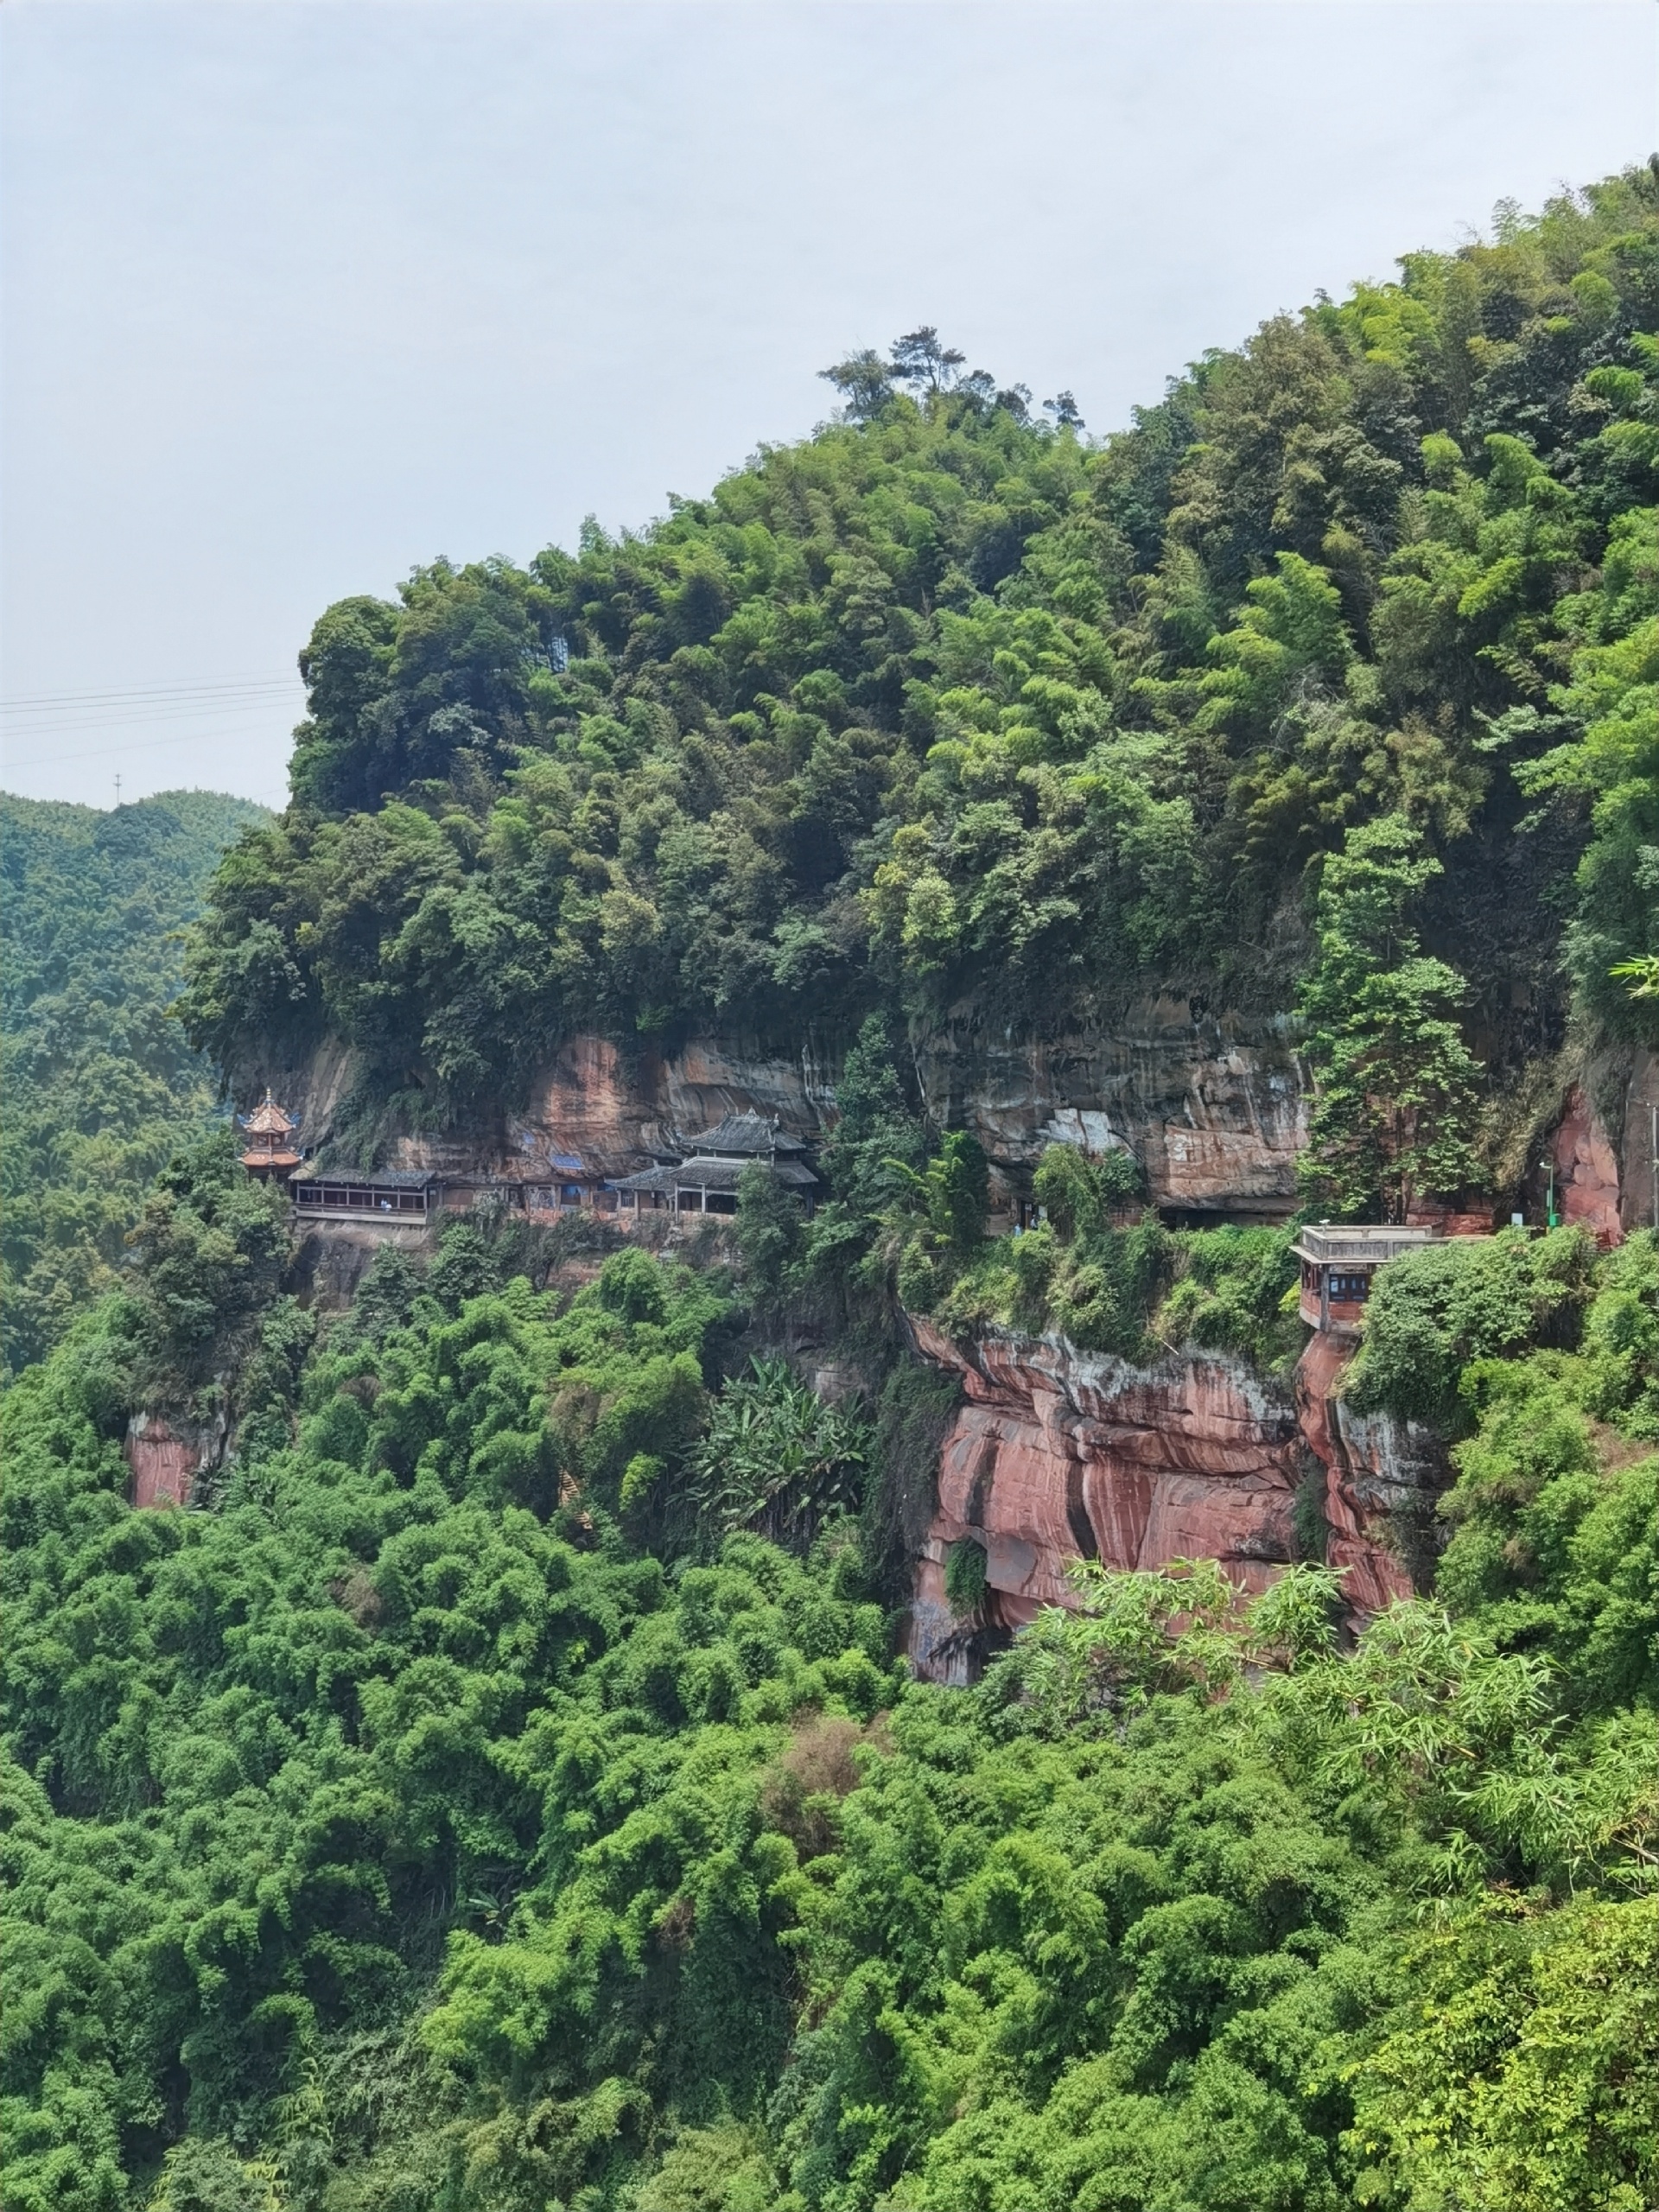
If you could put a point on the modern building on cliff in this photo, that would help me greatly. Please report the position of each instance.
(1339, 1263)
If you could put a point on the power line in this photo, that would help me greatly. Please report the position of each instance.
(99, 751)
(37, 723)
(68, 726)
(151, 691)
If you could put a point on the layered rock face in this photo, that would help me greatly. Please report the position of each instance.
(166, 1458)
(1058, 1453)
(1382, 1478)
(1586, 1170)
(616, 1111)
(1212, 1107)
(1639, 1164)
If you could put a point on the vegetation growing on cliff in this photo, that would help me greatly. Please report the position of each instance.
(1103, 1272)
(947, 701)
(1395, 1083)
(445, 1819)
(466, 1806)
(100, 1084)
(1437, 1313)
(902, 1232)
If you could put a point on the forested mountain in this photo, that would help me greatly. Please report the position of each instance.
(101, 1083)
(502, 1791)
(947, 704)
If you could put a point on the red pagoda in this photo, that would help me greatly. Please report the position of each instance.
(271, 1150)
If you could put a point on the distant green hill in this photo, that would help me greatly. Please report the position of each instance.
(100, 1083)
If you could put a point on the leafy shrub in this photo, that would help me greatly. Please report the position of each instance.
(1518, 2016)
(1434, 1311)
(385, 1299)
(1620, 1347)
(1229, 1293)
(463, 1267)
(769, 1226)
(1132, 1636)
(1555, 1526)
(1395, 1083)
(208, 1250)
(1135, 1291)
(965, 1583)
(1078, 1193)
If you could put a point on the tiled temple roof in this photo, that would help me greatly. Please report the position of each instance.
(268, 1119)
(703, 1173)
(749, 1134)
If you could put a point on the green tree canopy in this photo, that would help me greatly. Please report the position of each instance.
(1396, 1086)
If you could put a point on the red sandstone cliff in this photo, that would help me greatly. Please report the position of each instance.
(1212, 1107)
(1586, 1171)
(1058, 1453)
(163, 1462)
(1382, 1478)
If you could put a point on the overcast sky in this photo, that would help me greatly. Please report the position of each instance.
(300, 295)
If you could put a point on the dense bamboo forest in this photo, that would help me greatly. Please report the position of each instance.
(503, 1789)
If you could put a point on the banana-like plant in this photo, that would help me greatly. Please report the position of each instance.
(778, 1459)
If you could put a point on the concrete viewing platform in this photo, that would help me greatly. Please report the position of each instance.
(1340, 1260)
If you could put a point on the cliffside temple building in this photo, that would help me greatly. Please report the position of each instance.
(270, 1149)
(705, 1181)
(272, 1152)
(389, 1197)
(577, 1185)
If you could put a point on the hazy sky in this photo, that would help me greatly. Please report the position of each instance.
(300, 295)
